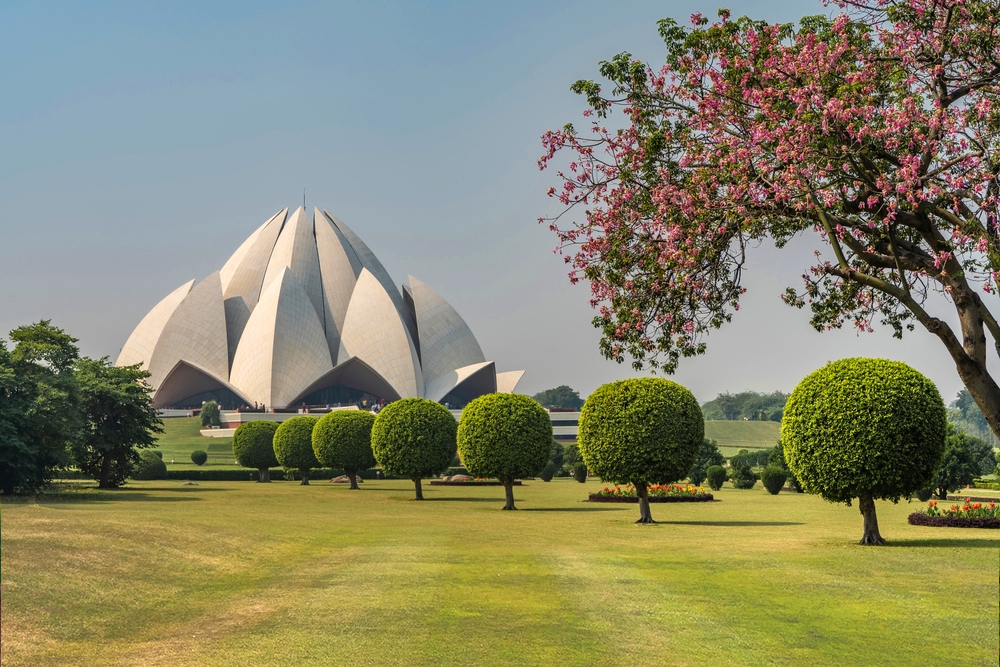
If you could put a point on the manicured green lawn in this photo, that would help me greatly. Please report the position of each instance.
(239, 573)
(181, 436)
(735, 435)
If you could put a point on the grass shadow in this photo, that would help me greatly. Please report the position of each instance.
(733, 523)
(971, 543)
(101, 497)
(460, 499)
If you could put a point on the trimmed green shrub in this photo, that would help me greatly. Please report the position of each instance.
(199, 456)
(777, 459)
(253, 447)
(923, 495)
(414, 438)
(293, 445)
(870, 429)
(548, 472)
(960, 463)
(343, 439)
(505, 437)
(210, 414)
(158, 453)
(150, 466)
(742, 475)
(716, 476)
(773, 478)
(641, 431)
(580, 471)
(558, 455)
(708, 456)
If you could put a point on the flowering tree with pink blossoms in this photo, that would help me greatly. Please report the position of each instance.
(875, 127)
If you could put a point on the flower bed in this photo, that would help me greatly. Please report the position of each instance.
(967, 515)
(658, 493)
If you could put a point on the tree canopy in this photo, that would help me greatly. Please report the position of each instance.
(746, 405)
(343, 439)
(559, 397)
(293, 445)
(875, 130)
(870, 429)
(253, 447)
(414, 438)
(39, 405)
(118, 420)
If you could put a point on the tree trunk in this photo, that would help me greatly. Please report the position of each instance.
(353, 474)
(416, 486)
(942, 493)
(265, 474)
(508, 487)
(8, 488)
(644, 514)
(104, 481)
(305, 476)
(871, 534)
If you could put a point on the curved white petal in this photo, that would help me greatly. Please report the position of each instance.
(370, 262)
(283, 348)
(353, 374)
(375, 333)
(469, 382)
(195, 332)
(446, 341)
(340, 267)
(507, 380)
(185, 380)
(140, 344)
(296, 250)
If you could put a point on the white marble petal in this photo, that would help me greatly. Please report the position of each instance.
(284, 348)
(295, 249)
(440, 387)
(507, 381)
(446, 342)
(139, 347)
(375, 333)
(340, 268)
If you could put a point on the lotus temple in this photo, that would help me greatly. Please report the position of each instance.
(304, 313)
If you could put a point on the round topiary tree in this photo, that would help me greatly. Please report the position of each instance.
(150, 466)
(158, 453)
(505, 436)
(343, 439)
(641, 431)
(414, 438)
(253, 447)
(199, 457)
(293, 445)
(773, 478)
(716, 476)
(870, 429)
(210, 414)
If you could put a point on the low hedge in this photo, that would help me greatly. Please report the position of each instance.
(921, 519)
(441, 482)
(251, 474)
(697, 498)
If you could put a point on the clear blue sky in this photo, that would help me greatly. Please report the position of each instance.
(142, 142)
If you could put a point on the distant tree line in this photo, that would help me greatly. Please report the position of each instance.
(749, 405)
(60, 410)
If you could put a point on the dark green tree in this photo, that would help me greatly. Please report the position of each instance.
(199, 457)
(39, 406)
(961, 462)
(293, 445)
(777, 459)
(750, 405)
(505, 437)
(558, 455)
(414, 438)
(716, 476)
(868, 429)
(253, 447)
(572, 454)
(641, 431)
(708, 456)
(118, 420)
(343, 439)
(559, 397)
(210, 415)
(773, 478)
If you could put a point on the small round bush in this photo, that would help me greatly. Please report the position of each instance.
(580, 471)
(199, 456)
(741, 474)
(414, 438)
(641, 431)
(293, 445)
(864, 428)
(716, 476)
(150, 466)
(773, 479)
(158, 453)
(343, 439)
(548, 472)
(505, 436)
(253, 447)
(923, 495)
